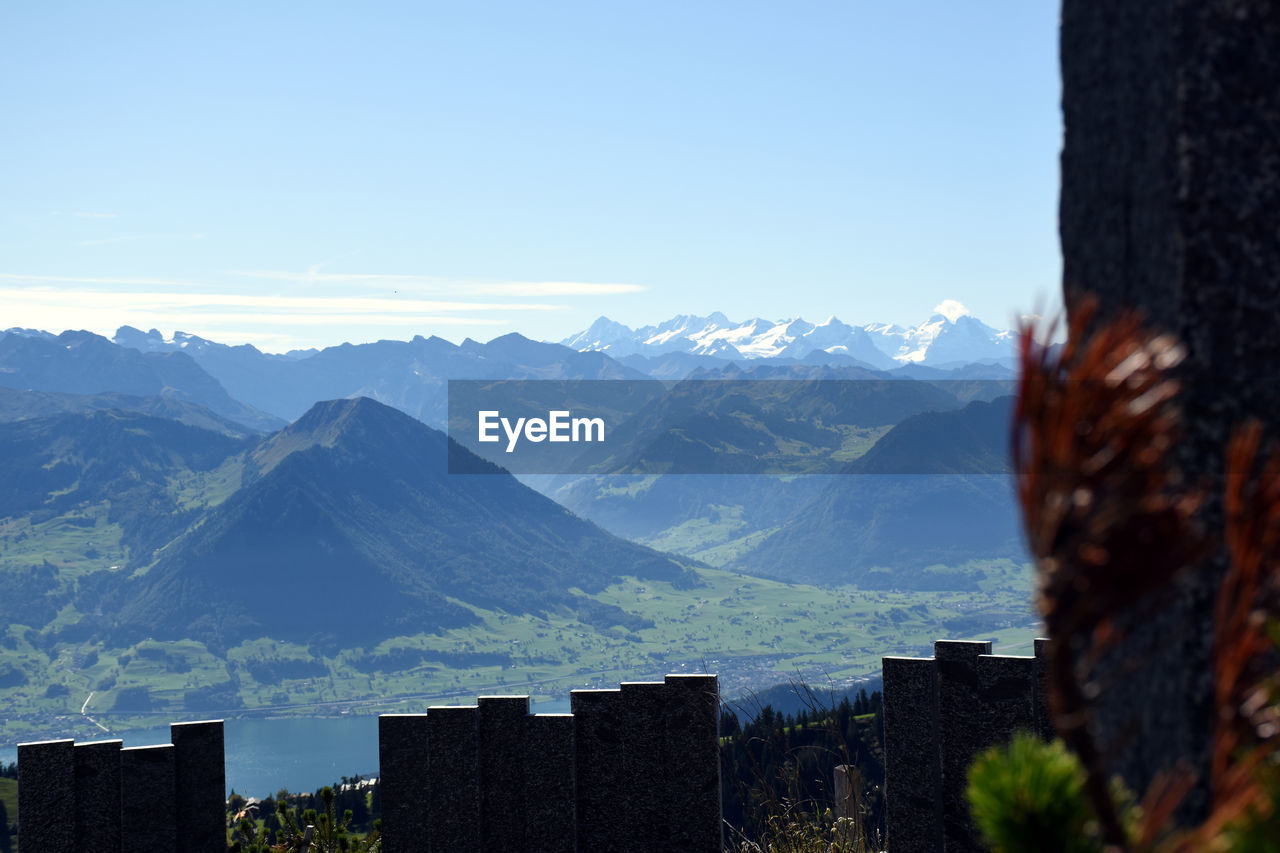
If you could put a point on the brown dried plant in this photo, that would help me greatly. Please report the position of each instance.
(1111, 522)
(1107, 514)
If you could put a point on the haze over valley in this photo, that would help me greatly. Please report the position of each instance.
(193, 528)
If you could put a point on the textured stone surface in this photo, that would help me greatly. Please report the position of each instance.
(501, 750)
(404, 774)
(199, 769)
(148, 807)
(848, 787)
(549, 783)
(454, 792)
(1040, 691)
(599, 758)
(913, 772)
(1170, 199)
(642, 711)
(635, 770)
(959, 735)
(98, 797)
(1006, 698)
(46, 797)
(693, 763)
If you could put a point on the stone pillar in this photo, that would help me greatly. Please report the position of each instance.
(599, 758)
(1006, 699)
(647, 819)
(454, 793)
(501, 747)
(913, 770)
(98, 797)
(47, 797)
(692, 772)
(403, 773)
(148, 808)
(958, 736)
(848, 785)
(199, 769)
(1170, 199)
(549, 783)
(1040, 691)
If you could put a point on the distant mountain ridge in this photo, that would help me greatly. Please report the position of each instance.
(263, 390)
(18, 405)
(84, 363)
(408, 375)
(950, 337)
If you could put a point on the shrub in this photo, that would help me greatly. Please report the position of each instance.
(1030, 796)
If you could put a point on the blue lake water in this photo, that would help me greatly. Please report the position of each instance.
(301, 754)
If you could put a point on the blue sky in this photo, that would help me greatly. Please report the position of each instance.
(304, 174)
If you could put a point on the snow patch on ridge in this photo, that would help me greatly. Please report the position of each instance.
(952, 334)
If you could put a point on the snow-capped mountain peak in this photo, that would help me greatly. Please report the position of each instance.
(951, 335)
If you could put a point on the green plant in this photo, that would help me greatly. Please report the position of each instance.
(248, 838)
(322, 832)
(1030, 795)
(783, 769)
(799, 831)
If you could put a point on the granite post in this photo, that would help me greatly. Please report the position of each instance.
(847, 781)
(599, 762)
(1170, 199)
(98, 797)
(1006, 699)
(692, 772)
(403, 773)
(199, 769)
(549, 783)
(454, 793)
(47, 797)
(647, 818)
(913, 772)
(500, 752)
(958, 736)
(1040, 691)
(148, 800)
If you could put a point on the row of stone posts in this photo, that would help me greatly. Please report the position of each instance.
(939, 713)
(100, 797)
(634, 769)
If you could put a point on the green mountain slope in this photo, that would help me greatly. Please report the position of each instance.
(16, 405)
(933, 490)
(94, 492)
(349, 525)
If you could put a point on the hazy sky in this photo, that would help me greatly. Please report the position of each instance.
(304, 174)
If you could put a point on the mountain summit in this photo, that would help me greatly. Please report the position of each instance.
(349, 518)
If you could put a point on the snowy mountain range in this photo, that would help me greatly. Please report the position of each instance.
(951, 336)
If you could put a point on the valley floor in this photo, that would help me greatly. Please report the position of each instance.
(753, 632)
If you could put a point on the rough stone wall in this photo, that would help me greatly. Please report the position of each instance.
(91, 797)
(635, 769)
(939, 713)
(1171, 203)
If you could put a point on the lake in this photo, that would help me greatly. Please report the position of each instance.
(300, 753)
